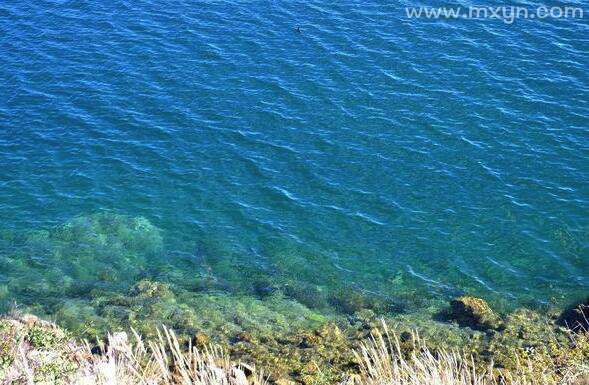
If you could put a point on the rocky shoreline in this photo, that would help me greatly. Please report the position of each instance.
(322, 352)
(299, 321)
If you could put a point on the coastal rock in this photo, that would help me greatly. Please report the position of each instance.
(474, 313)
(576, 317)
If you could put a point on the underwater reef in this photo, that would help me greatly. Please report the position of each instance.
(107, 274)
(89, 262)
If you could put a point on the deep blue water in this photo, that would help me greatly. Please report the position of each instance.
(367, 152)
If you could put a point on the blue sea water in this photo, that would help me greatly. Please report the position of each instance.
(369, 152)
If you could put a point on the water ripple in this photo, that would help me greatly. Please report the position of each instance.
(454, 152)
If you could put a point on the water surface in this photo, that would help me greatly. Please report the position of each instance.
(186, 141)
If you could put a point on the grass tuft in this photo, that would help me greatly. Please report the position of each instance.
(384, 362)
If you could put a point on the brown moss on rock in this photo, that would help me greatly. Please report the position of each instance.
(474, 313)
(318, 356)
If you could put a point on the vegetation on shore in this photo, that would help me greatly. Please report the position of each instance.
(478, 347)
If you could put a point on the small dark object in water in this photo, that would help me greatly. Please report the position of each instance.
(298, 29)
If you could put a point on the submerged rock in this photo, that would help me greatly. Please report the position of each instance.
(104, 250)
(474, 313)
(149, 289)
(349, 301)
(576, 317)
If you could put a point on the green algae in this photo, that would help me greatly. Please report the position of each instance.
(91, 258)
(103, 249)
(109, 272)
(81, 271)
(149, 304)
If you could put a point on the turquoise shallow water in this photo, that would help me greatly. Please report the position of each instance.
(399, 159)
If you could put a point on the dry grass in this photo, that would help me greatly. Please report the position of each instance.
(131, 361)
(164, 362)
(382, 362)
